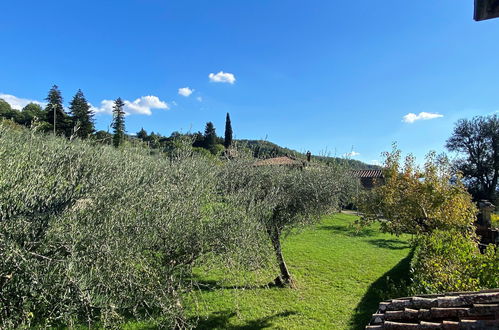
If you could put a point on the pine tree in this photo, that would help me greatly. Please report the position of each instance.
(82, 116)
(142, 134)
(210, 136)
(55, 108)
(118, 123)
(228, 132)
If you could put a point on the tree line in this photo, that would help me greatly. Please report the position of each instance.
(79, 122)
(476, 140)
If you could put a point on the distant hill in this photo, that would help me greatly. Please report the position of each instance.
(265, 149)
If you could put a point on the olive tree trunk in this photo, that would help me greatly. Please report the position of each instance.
(275, 237)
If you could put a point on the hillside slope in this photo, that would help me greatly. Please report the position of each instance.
(267, 149)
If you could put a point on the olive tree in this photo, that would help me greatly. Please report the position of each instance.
(282, 198)
(477, 140)
(90, 233)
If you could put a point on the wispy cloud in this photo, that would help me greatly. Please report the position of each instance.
(199, 98)
(222, 77)
(185, 91)
(18, 102)
(351, 154)
(412, 117)
(141, 106)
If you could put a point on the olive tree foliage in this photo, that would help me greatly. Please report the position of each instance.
(282, 198)
(90, 233)
(477, 140)
(418, 200)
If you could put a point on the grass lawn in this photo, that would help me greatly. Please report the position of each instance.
(341, 276)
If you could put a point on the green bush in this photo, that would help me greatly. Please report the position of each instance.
(495, 220)
(449, 260)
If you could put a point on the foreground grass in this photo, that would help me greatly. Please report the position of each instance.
(341, 276)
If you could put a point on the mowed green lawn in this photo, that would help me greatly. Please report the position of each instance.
(340, 276)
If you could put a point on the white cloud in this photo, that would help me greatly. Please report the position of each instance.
(375, 162)
(199, 98)
(222, 77)
(17, 102)
(412, 117)
(185, 91)
(106, 106)
(351, 154)
(141, 106)
(144, 105)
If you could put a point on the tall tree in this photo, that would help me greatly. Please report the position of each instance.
(198, 140)
(228, 132)
(478, 140)
(4, 107)
(7, 112)
(82, 116)
(142, 134)
(56, 116)
(210, 136)
(118, 123)
(32, 112)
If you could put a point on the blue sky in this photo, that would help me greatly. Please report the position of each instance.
(326, 76)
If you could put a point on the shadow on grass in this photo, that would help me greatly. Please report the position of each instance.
(349, 230)
(221, 320)
(392, 244)
(393, 284)
(209, 285)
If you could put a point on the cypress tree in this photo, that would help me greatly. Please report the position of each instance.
(118, 123)
(228, 132)
(55, 107)
(82, 115)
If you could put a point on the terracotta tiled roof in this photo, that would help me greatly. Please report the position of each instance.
(461, 310)
(280, 161)
(368, 173)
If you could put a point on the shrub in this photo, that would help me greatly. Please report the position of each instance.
(449, 260)
(418, 200)
(432, 203)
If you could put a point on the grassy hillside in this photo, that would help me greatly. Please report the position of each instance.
(341, 276)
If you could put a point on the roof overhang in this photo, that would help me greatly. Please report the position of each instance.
(486, 9)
